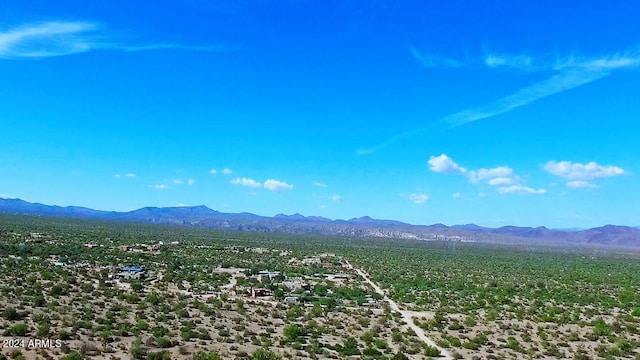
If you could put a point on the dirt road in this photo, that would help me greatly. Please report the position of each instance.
(406, 315)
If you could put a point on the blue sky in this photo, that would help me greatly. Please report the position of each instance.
(486, 112)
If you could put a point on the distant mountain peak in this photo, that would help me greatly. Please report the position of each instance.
(468, 226)
(365, 226)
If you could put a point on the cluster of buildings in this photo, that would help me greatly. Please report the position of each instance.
(147, 247)
(131, 273)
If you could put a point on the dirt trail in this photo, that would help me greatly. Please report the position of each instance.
(406, 315)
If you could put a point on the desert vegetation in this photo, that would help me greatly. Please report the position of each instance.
(198, 299)
(493, 302)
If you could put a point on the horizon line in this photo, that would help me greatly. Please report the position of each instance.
(570, 229)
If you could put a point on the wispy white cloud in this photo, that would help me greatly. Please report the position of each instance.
(443, 164)
(499, 181)
(319, 184)
(213, 171)
(336, 198)
(568, 73)
(521, 62)
(269, 184)
(59, 38)
(520, 189)
(503, 178)
(572, 72)
(418, 198)
(227, 171)
(180, 181)
(159, 186)
(579, 175)
(581, 184)
(456, 195)
(553, 85)
(276, 185)
(47, 39)
(578, 171)
(247, 182)
(168, 46)
(128, 175)
(433, 61)
(496, 176)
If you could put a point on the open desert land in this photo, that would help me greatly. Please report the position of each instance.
(76, 289)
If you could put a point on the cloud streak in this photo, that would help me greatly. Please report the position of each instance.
(432, 61)
(554, 85)
(571, 73)
(60, 38)
(128, 175)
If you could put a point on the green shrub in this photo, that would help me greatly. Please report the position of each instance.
(263, 354)
(206, 355)
(19, 329)
(471, 345)
(73, 356)
(137, 352)
(160, 355)
(164, 342)
(11, 314)
(431, 351)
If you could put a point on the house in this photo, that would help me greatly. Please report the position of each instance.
(133, 269)
(294, 284)
(260, 250)
(327, 255)
(132, 273)
(256, 292)
(269, 274)
(333, 277)
(123, 248)
(291, 299)
(369, 301)
(311, 261)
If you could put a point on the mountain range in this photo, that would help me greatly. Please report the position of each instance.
(202, 216)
